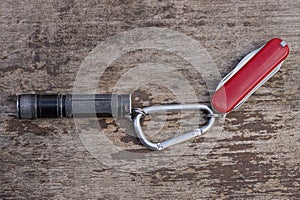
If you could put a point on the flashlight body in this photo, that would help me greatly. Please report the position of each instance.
(33, 106)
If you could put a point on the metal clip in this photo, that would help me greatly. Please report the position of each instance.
(171, 108)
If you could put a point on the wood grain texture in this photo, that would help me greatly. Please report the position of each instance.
(255, 153)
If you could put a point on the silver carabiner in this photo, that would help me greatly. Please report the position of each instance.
(171, 108)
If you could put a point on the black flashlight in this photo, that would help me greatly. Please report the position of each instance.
(33, 106)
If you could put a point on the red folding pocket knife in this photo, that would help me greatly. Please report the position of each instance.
(252, 72)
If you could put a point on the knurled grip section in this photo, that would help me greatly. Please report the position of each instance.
(27, 106)
(98, 105)
(73, 105)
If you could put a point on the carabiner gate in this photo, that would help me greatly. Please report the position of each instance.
(171, 108)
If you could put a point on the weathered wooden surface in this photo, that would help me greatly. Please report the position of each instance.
(43, 43)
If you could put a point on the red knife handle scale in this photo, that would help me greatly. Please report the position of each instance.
(249, 76)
